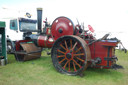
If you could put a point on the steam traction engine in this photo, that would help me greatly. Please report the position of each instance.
(73, 48)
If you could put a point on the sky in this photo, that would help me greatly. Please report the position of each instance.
(103, 15)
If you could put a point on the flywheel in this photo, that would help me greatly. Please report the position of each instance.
(70, 55)
(62, 26)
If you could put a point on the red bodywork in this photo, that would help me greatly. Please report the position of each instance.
(105, 51)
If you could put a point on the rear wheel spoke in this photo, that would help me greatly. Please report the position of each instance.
(60, 56)
(77, 63)
(74, 46)
(66, 44)
(78, 49)
(80, 59)
(61, 51)
(65, 64)
(63, 47)
(74, 66)
(78, 54)
(62, 60)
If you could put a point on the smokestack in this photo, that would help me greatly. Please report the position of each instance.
(39, 19)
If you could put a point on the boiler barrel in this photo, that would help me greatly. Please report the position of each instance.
(42, 40)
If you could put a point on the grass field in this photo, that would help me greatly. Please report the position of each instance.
(42, 72)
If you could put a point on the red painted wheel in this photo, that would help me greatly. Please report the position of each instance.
(62, 26)
(69, 55)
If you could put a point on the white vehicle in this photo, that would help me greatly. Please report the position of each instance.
(18, 23)
(17, 28)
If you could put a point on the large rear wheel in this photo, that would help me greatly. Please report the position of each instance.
(69, 55)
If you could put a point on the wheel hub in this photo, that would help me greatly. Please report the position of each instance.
(68, 55)
(60, 30)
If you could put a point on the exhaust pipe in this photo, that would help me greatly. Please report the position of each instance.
(39, 19)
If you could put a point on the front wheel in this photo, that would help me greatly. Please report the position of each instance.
(9, 47)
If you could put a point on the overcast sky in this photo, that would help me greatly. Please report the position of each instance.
(103, 15)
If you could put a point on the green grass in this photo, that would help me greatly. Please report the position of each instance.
(42, 72)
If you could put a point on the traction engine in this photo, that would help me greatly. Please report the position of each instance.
(73, 48)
